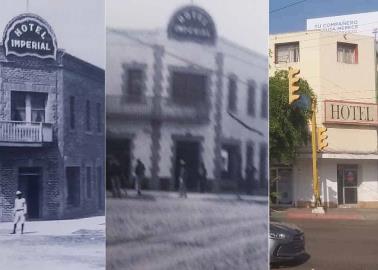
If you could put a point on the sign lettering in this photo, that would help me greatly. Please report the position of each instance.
(192, 23)
(29, 35)
(353, 113)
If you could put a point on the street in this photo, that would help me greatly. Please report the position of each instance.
(204, 231)
(337, 244)
(59, 245)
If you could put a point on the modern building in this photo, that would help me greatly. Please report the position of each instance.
(186, 93)
(341, 69)
(51, 125)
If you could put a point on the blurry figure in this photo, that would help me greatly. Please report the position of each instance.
(250, 174)
(183, 175)
(19, 212)
(139, 175)
(202, 174)
(115, 173)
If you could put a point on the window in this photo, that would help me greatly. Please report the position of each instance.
(72, 112)
(264, 102)
(88, 115)
(250, 154)
(99, 117)
(232, 94)
(287, 52)
(188, 89)
(89, 182)
(251, 100)
(73, 186)
(134, 84)
(28, 107)
(347, 53)
(231, 163)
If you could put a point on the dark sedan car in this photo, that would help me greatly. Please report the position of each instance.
(286, 242)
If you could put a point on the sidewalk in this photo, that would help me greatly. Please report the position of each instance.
(149, 194)
(331, 214)
(81, 226)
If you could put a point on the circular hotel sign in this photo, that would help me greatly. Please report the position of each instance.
(192, 23)
(29, 35)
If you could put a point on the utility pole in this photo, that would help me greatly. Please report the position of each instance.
(375, 31)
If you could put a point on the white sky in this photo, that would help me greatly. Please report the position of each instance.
(242, 21)
(79, 25)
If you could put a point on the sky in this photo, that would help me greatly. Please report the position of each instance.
(293, 19)
(79, 25)
(244, 22)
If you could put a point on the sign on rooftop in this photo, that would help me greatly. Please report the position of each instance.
(29, 35)
(192, 23)
(361, 23)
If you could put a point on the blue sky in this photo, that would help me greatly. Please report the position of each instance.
(293, 18)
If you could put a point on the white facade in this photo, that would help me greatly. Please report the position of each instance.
(155, 127)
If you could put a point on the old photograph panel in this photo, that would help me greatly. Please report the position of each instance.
(52, 135)
(187, 134)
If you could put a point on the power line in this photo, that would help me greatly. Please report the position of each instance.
(287, 6)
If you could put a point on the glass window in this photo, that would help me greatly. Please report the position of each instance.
(135, 83)
(99, 117)
(188, 89)
(264, 101)
(287, 52)
(251, 101)
(347, 53)
(38, 105)
(72, 112)
(232, 94)
(89, 182)
(18, 106)
(88, 115)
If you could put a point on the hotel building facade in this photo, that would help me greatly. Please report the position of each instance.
(341, 70)
(51, 125)
(185, 93)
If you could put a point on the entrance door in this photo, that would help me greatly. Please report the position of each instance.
(121, 151)
(29, 183)
(189, 152)
(347, 183)
(282, 185)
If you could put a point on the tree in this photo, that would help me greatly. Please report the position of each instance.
(288, 123)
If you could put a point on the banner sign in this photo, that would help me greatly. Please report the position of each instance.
(192, 23)
(29, 35)
(352, 113)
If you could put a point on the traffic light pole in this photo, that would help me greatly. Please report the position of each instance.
(315, 179)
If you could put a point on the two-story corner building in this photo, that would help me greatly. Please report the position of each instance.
(185, 93)
(341, 69)
(51, 125)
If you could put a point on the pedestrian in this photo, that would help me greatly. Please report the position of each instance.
(183, 175)
(139, 175)
(115, 174)
(202, 174)
(19, 212)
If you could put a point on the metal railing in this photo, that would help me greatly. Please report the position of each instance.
(15, 131)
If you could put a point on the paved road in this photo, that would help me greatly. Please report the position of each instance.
(166, 233)
(338, 245)
(55, 244)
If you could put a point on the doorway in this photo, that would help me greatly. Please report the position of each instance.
(120, 149)
(347, 184)
(189, 151)
(29, 183)
(281, 185)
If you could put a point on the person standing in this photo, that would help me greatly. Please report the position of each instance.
(139, 176)
(19, 212)
(183, 175)
(202, 174)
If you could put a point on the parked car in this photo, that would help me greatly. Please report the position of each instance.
(286, 242)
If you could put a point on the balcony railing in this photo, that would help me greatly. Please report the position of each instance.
(15, 132)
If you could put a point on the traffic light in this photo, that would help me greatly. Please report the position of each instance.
(322, 138)
(293, 84)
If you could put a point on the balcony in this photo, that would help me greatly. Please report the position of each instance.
(21, 134)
